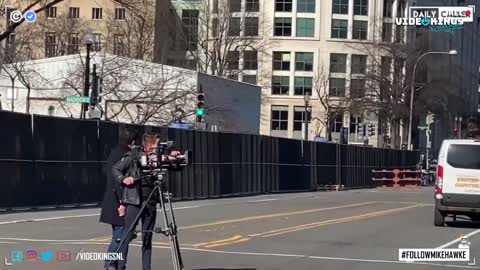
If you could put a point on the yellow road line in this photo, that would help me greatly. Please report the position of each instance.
(274, 215)
(334, 221)
(228, 243)
(234, 238)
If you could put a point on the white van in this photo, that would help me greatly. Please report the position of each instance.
(457, 187)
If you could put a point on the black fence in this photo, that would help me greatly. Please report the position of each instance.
(46, 161)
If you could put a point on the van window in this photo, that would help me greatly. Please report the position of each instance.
(464, 156)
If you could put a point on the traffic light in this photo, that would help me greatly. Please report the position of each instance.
(361, 129)
(200, 107)
(371, 130)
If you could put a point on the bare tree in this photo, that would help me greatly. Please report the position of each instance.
(389, 82)
(130, 34)
(137, 92)
(215, 38)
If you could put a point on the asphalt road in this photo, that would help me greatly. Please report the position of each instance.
(324, 230)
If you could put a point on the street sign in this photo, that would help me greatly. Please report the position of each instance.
(181, 125)
(78, 99)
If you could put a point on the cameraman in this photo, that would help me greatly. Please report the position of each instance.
(127, 172)
(111, 212)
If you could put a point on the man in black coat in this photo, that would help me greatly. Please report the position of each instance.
(112, 212)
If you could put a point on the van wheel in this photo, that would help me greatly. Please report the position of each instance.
(438, 218)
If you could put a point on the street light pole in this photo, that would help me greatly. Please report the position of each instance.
(87, 41)
(412, 92)
(306, 98)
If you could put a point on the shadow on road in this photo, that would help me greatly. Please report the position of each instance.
(466, 224)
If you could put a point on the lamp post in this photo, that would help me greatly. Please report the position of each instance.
(306, 98)
(88, 42)
(410, 119)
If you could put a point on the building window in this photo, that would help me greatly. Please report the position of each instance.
(190, 28)
(283, 27)
(399, 34)
(215, 27)
(303, 61)
(73, 42)
(279, 117)
(359, 64)
(10, 48)
(338, 63)
(234, 27)
(250, 79)
(119, 14)
(339, 28)
(340, 7)
(337, 87)
(402, 4)
(360, 30)
(305, 27)
(336, 121)
(251, 26)
(191, 64)
(283, 5)
(387, 8)
(97, 42)
(306, 6)
(357, 88)
(355, 121)
(360, 7)
(252, 6)
(51, 12)
(250, 61)
(303, 85)
(299, 117)
(387, 32)
(235, 5)
(280, 85)
(233, 59)
(97, 13)
(281, 60)
(118, 45)
(233, 77)
(74, 13)
(50, 44)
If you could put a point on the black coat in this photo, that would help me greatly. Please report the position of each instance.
(109, 213)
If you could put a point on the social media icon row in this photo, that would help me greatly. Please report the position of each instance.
(16, 16)
(34, 256)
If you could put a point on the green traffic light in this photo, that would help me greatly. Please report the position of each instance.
(200, 112)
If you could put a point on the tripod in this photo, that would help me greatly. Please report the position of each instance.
(170, 225)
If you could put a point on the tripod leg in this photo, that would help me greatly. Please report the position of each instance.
(173, 245)
(175, 234)
(131, 227)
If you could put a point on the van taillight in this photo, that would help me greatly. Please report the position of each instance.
(439, 185)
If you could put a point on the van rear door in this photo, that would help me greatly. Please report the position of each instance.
(461, 174)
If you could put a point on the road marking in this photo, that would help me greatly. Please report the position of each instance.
(273, 215)
(227, 243)
(458, 239)
(77, 216)
(264, 200)
(234, 238)
(333, 221)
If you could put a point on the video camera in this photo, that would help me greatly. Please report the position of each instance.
(159, 158)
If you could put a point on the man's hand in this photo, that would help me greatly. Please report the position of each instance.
(121, 210)
(174, 153)
(128, 181)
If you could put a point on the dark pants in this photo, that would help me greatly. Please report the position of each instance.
(117, 232)
(148, 218)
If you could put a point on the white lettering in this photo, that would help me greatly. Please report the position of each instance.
(99, 256)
